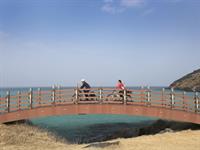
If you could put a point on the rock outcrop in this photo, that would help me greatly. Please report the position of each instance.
(189, 82)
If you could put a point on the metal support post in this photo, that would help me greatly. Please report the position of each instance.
(100, 95)
(184, 100)
(172, 98)
(39, 95)
(19, 99)
(60, 97)
(31, 98)
(148, 96)
(53, 95)
(142, 99)
(196, 100)
(8, 101)
(76, 95)
(125, 97)
(163, 96)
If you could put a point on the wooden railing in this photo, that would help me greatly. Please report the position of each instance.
(146, 97)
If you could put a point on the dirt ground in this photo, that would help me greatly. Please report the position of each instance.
(24, 137)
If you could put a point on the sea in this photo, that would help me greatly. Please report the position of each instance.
(88, 128)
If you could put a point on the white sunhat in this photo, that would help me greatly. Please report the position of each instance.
(82, 80)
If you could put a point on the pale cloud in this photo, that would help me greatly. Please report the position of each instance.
(3, 38)
(109, 7)
(119, 6)
(148, 11)
(3, 35)
(131, 3)
(175, 1)
(108, 1)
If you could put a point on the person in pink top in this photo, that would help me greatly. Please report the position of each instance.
(120, 85)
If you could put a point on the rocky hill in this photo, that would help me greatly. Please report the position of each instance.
(189, 82)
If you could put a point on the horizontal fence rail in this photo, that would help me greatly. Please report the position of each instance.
(56, 96)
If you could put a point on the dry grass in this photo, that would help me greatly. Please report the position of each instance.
(23, 137)
(185, 140)
(20, 137)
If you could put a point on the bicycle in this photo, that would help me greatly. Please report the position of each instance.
(118, 95)
(84, 95)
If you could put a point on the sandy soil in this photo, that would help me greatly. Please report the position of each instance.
(21, 137)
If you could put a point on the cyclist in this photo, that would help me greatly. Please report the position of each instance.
(121, 87)
(85, 86)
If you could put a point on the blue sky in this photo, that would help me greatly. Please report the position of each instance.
(142, 42)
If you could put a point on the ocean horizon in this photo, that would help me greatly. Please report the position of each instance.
(14, 90)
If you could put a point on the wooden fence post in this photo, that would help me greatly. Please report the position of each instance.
(8, 101)
(172, 97)
(31, 98)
